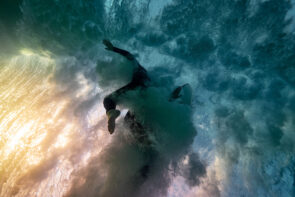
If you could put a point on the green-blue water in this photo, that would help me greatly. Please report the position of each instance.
(237, 138)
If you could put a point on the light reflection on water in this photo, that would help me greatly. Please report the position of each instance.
(41, 142)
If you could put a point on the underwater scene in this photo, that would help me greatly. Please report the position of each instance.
(147, 98)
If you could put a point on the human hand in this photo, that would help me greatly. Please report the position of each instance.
(108, 44)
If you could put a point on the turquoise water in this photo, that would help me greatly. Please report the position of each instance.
(237, 138)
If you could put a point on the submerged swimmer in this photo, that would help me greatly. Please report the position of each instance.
(140, 79)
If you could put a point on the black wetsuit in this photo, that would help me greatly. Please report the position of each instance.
(139, 79)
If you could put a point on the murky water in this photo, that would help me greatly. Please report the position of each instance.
(237, 138)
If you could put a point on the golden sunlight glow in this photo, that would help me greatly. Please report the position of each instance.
(26, 52)
(24, 94)
(63, 138)
(37, 127)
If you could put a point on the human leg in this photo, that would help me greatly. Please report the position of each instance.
(112, 113)
(110, 103)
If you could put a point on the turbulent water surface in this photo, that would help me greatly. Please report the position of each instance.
(237, 138)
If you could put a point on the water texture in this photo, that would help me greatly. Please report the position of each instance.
(236, 139)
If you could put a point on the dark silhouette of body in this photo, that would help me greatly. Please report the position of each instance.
(139, 79)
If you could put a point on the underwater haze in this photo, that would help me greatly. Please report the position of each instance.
(236, 139)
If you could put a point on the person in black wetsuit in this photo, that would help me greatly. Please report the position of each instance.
(139, 79)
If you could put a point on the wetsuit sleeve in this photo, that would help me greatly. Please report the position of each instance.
(125, 53)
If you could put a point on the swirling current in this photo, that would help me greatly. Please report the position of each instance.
(235, 140)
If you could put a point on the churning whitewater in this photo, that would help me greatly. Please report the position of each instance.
(235, 139)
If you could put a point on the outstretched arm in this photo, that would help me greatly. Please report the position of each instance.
(110, 47)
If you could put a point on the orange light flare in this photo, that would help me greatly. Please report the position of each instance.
(34, 127)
